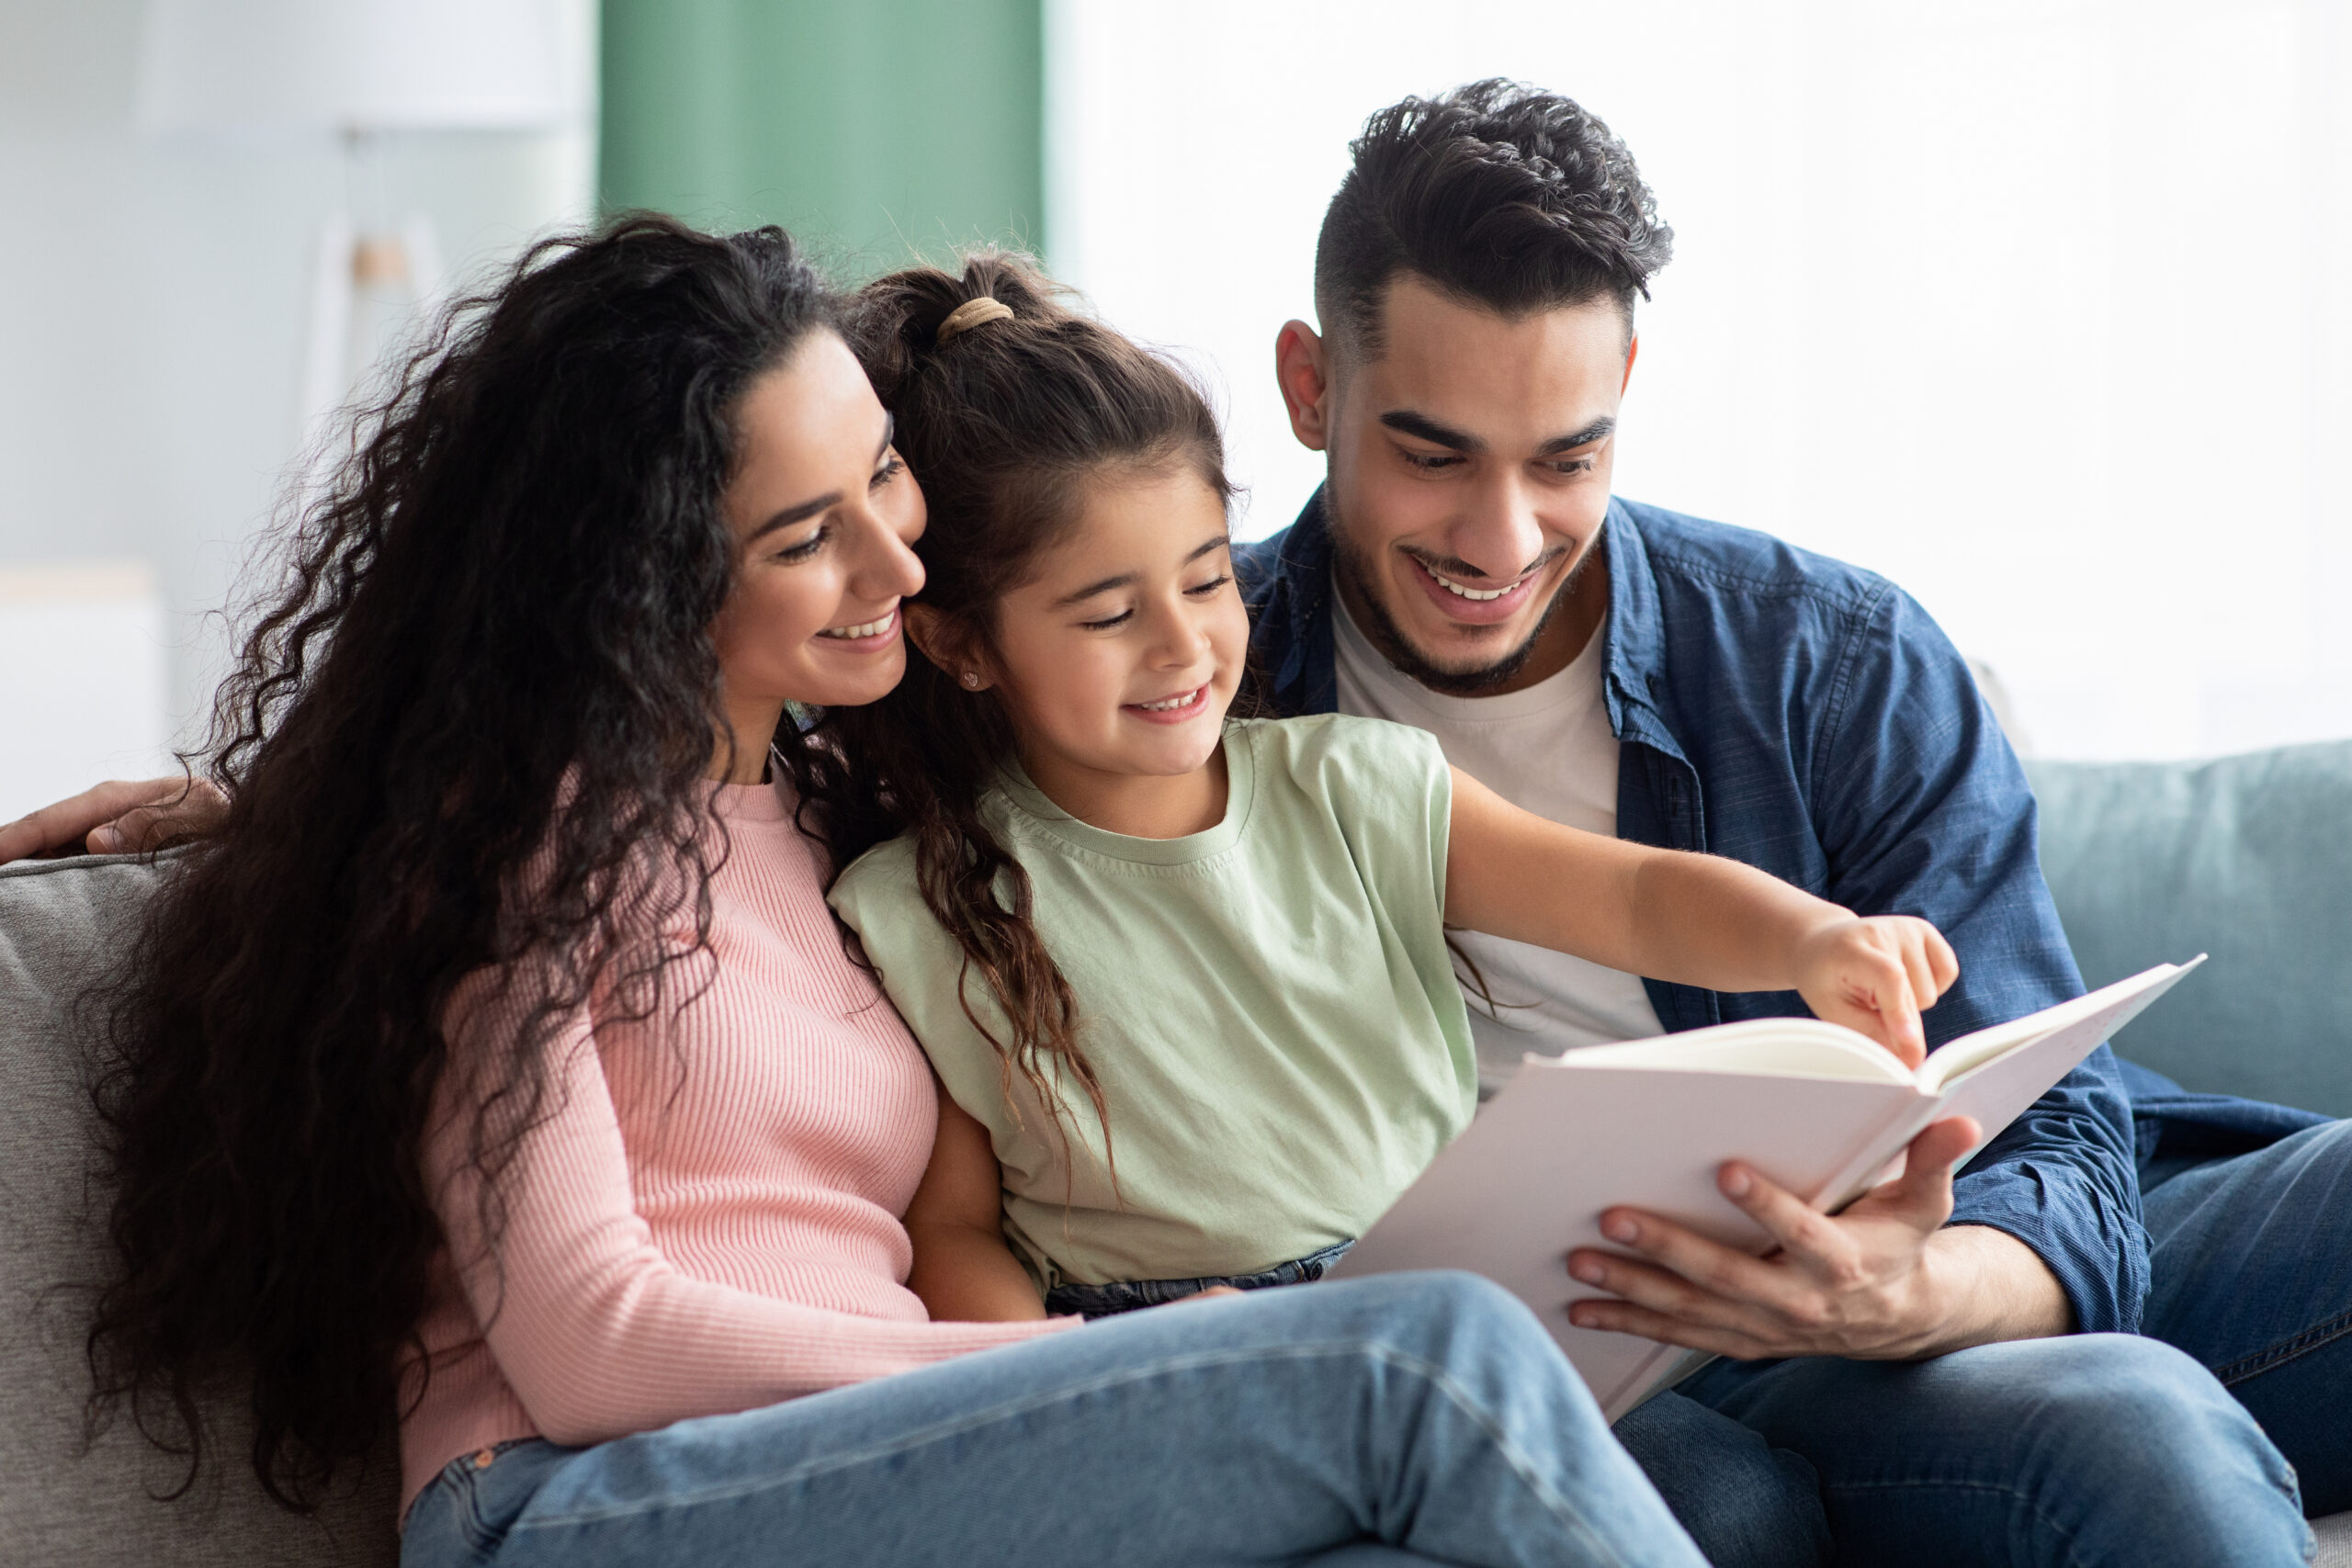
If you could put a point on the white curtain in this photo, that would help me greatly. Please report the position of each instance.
(2043, 308)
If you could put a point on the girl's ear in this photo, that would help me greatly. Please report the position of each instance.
(949, 644)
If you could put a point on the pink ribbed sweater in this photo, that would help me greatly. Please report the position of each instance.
(711, 1221)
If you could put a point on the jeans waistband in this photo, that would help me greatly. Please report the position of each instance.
(1127, 1296)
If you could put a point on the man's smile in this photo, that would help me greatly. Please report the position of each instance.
(1464, 604)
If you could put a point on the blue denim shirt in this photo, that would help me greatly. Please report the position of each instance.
(1809, 718)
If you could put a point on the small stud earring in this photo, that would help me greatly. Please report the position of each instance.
(971, 680)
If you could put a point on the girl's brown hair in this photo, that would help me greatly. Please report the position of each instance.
(1003, 424)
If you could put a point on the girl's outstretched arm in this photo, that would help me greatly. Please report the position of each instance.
(962, 1271)
(1691, 918)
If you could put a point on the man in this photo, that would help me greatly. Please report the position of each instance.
(1947, 1372)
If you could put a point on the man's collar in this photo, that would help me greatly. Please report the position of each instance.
(1307, 544)
(1633, 638)
(1304, 574)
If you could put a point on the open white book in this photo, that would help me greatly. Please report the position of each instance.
(1819, 1109)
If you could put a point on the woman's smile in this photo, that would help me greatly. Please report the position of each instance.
(865, 636)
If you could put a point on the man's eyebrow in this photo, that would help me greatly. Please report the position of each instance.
(1206, 547)
(1591, 432)
(1409, 423)
(831, 498)
(1426, 429)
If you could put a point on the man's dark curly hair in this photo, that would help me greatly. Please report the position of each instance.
(1517, 199)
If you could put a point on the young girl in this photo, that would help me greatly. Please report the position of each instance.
(1184, 978)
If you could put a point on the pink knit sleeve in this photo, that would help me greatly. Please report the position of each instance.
(594, 1329)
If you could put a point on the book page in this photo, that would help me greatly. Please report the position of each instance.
(1996, 1088)
(1782, 1047)
(2111, 1006)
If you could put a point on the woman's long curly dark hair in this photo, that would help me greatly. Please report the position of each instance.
(1004, 424)
(489, 667)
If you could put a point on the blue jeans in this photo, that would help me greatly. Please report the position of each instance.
(1130, 1295)
(2093, 1448)
(1428, 1414)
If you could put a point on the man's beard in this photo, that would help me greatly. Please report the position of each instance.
(1384, 634)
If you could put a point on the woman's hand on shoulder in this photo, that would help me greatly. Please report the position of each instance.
(1876, 975)
(117, 817)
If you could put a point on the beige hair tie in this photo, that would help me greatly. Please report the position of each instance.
(972, 313)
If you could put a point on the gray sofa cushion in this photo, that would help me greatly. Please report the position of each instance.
(2248, 858)
(64, 1502)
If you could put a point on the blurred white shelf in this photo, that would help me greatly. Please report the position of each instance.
(84, 678)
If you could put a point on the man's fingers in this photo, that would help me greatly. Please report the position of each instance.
(192, 808)
(117, 817)
(22, 837)
(147, 828)
(1626, 1318)
(51, 826)
(123, 835)
(65, 825)
(1801, 1233)
(1684, 1274)
(1923, 1191)
(1668, 1295)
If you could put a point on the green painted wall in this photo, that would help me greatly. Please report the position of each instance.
(871, 128)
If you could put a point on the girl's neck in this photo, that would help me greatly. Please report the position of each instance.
(1141, 805)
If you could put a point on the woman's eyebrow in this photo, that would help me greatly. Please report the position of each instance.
(791, 515)
(808, 509)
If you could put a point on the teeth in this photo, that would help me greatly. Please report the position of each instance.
(871, 628)
(1169, 704)
(1479, 595)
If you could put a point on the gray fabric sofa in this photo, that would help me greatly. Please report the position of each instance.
(63, 1500)
(2248, 858)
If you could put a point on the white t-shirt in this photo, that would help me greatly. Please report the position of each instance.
(1548, 750)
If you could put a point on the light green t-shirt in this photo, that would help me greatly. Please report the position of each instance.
(1270, 1007)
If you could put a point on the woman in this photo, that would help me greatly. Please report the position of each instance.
(494, 1062)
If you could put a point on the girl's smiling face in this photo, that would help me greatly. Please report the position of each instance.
(1117, 658)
